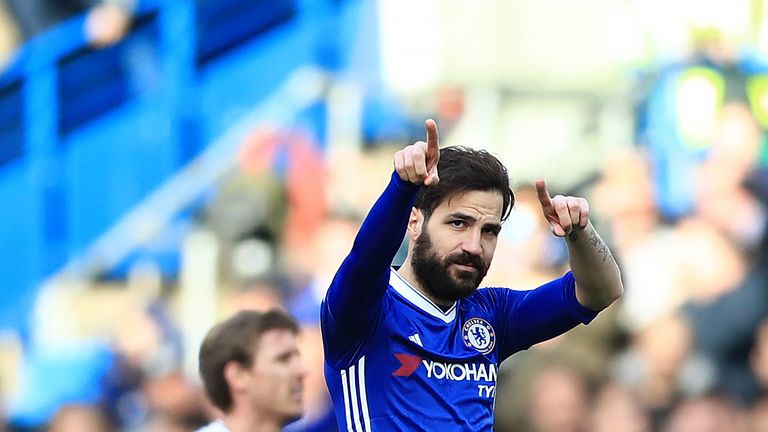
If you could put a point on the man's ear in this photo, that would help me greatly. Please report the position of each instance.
(415, 223)
(234, 375)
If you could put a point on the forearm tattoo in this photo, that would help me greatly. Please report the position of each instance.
(599, 244)
(594, 240)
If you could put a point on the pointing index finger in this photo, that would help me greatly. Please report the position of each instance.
(433, 152)
(543, 194)
(433, 138)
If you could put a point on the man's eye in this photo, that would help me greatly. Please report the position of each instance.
(457, 223)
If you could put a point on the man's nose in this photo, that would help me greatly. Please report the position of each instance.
(301, 369)
(472, 244)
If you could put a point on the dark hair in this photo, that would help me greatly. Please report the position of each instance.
(235, 340)
(463, 169)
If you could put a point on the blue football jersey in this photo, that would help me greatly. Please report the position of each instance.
(395, 361)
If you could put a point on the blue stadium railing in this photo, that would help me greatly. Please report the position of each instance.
(86, 134)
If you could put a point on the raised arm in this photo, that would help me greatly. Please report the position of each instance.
(363, 277)
(598, 281)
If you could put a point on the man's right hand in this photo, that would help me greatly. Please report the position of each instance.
(417, 163)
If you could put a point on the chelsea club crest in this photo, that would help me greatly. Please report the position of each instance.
(478, 334)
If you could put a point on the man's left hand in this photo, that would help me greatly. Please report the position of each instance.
(564, 213)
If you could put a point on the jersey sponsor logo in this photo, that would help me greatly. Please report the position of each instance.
(410, 363)
(479, 334)
(461, 371)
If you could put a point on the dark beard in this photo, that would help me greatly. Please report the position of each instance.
(437, 277)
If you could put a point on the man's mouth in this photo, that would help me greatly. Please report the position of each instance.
(466, 267)
(297, 391)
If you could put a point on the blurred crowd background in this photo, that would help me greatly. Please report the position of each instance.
(166, 163)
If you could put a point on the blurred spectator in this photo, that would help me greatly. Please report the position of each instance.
(263, 295)
(712, 413)
(145, 383)
(107, 21)
(617, 409)
(252, 371)
(661, 367)
(720, 284)
(720, 197)
(647, 250)
(559, 401)
(697, 107)
(279, 190)
(174, 400)
(707, 262)
(80, 418)
(727, 340)
(250, 203)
